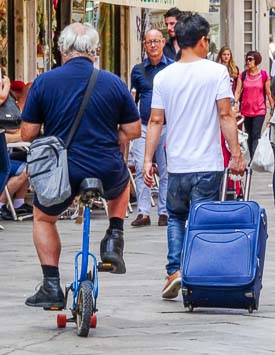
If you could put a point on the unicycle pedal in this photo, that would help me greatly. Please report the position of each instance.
(105, 267)
(53, 308)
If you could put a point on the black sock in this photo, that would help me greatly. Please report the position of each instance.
(50, 271)
(116, 223)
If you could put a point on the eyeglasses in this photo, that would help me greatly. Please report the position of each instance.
(155, 42)
(250, 59)
(207, 39)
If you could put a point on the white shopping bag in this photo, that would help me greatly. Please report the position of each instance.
(242, 138)
(263, 159)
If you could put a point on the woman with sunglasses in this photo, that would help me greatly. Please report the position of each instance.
(252, 88)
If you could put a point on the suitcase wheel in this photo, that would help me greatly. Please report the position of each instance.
(190, 308)
(250, 309)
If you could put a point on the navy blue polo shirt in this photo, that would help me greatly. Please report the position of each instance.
(143, 83)
(54, 100)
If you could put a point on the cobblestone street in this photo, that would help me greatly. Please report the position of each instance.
(132, 317)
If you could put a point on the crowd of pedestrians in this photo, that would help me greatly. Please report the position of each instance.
(182, 113)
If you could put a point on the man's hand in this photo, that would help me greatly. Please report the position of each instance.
(237, 165)
(148, 174)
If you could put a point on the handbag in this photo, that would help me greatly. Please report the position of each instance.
(47, 160)
(263, 160)
(10, 115)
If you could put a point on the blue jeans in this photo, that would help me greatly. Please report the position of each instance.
(184, 189)
(144, 192)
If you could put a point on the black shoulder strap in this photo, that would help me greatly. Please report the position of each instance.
(243, 75)
(83, 106)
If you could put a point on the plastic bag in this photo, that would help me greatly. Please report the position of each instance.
(242, 138)
(263, 159)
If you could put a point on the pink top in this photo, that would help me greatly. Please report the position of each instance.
(253, 98)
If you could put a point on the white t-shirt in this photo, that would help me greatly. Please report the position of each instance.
(188, 93)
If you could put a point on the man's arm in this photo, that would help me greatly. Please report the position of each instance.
(229, 130)
(153, 133)
(129, 131)
(30, 131)
(13, 136)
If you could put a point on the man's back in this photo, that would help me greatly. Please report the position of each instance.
(192, 125)
(55, 99)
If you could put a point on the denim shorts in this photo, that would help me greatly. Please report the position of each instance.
(16, 167)
(56, 210)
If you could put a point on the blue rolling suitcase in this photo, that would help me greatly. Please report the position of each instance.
(223, 254)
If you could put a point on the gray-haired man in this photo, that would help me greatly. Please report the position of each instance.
(54, 100)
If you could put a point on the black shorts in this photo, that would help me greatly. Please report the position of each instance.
(56, 210)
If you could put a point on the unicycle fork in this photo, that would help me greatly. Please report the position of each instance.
(84, 288)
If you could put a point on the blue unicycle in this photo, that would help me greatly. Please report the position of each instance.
(84, 288)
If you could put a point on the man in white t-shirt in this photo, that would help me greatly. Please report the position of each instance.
(194, 95)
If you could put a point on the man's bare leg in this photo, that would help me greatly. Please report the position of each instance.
(48, 247)
(118, 206)
(46, 238)
(111, 246)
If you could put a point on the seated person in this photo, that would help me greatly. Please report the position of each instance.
(18, 186)
(20, 91)
(18, 180)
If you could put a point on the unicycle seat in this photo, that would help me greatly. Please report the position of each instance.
(91, 187)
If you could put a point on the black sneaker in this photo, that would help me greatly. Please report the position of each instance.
(5, 213)
(24, 209)
(49, 295)
(111, 250)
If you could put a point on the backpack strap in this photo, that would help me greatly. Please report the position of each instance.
(243, 75)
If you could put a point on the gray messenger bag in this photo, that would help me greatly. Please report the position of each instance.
(47, 160)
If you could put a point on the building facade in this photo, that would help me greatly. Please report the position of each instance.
(29, 30)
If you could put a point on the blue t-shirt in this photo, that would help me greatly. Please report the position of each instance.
(142, 81)
(54, 100)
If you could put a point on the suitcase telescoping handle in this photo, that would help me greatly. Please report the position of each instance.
(248, 175)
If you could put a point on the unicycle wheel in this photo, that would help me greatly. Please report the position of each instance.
(84, 310)
(61, 320)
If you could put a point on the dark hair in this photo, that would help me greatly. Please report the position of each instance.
(190, 30)
(256, 55)
(173, 12)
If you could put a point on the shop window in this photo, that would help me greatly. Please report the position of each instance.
(43, 36)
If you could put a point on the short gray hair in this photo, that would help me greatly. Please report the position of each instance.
(78, 38)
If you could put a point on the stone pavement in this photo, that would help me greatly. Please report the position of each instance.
(132, 317)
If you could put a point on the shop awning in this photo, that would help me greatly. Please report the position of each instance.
(184, 5)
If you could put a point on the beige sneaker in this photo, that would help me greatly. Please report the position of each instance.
(172, 285)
